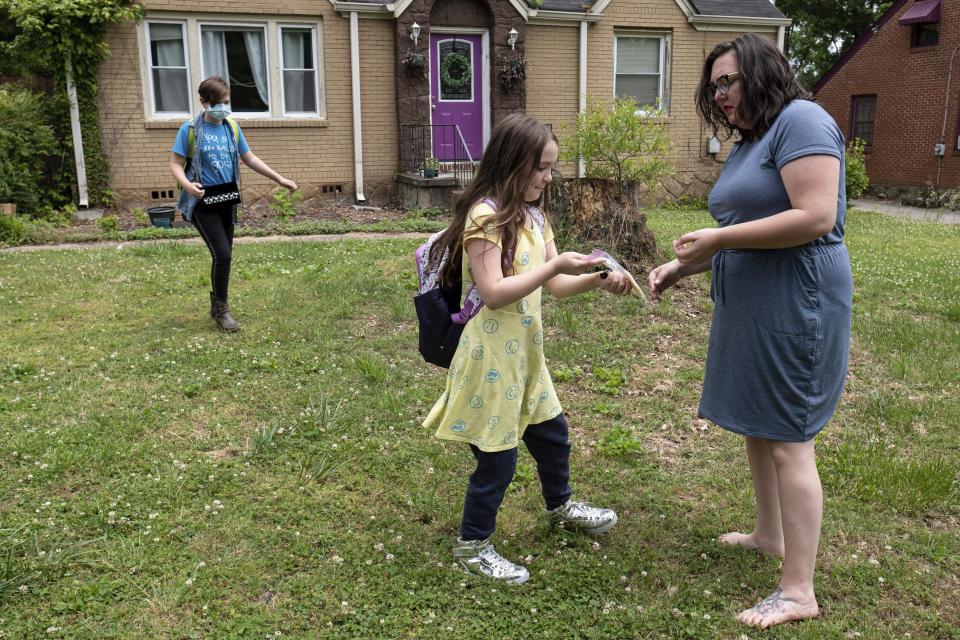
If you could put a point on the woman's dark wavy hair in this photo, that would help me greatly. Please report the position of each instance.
(767, 85)
(504, 173)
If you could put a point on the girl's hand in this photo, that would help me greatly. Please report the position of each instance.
(614, 282)
(289, 184)
(573, 263)
(664, 277)
(196, 190)
(697, 246)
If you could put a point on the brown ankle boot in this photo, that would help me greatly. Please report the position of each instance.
(220, 312)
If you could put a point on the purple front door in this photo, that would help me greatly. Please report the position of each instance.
(456, 94)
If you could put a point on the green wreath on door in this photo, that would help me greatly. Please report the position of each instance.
(449, 82)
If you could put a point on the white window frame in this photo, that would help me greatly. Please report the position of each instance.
(267, 63)
(316, 70)
(149, 66)
(663, 72)
(271, 25)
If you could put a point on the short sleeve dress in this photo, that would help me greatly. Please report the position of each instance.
(780, 337)
(498, 381)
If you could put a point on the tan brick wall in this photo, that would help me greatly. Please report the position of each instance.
(312, 154)
(553, 81)
(910, 85)
(316, 154)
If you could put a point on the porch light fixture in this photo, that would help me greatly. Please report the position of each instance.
(414, 33)
(512, 38)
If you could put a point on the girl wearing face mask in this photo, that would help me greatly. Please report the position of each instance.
(218, 147)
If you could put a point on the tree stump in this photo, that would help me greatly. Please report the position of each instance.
(594, 213)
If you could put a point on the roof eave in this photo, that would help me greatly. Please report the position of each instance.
(723, 23)
(364, 9)
(563, 18)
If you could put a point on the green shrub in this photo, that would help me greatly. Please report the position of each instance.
(109, 223)
(14, 230)
(285, 204)
(25, 141)
(856, 171)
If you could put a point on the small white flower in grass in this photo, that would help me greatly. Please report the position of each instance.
(378, 546)
(703, 555)
(880, 579)
(533, 610)
(189, 581)
(873, 561)
(390, 557)
(706, 592)
(202, 564)
(643, 573)
(706, 616)
(596, 546)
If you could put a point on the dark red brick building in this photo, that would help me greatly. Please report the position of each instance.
(898, 89)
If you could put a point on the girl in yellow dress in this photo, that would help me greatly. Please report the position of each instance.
(498, 388)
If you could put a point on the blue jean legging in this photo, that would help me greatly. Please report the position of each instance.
(549, 444)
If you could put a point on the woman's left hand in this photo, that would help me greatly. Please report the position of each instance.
(614, 282)
(697, 246)
(289, 184)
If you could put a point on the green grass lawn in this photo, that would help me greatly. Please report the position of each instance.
(161, 480)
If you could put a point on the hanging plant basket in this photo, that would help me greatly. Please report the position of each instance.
(460, 61)
(512, 71)
(415, 60)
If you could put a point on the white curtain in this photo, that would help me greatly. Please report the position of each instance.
(215, 55)
(170, 89)
(258, 62)
(293, 56)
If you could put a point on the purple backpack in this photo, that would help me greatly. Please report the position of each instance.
(439, 315)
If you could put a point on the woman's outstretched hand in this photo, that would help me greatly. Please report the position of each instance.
(697, 246)
(664, 277)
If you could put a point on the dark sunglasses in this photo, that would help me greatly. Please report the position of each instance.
(723, 83)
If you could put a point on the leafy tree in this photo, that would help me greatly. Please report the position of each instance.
(823, 31)
(42, 34)
(623, 143)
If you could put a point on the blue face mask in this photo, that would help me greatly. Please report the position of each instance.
(219, 112)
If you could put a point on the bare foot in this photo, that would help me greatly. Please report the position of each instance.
(750, 541)
(775, 609)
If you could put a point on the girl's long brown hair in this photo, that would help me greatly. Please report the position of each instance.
(768, 84)
(504, 173)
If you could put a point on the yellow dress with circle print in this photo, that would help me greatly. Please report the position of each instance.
(498, 381)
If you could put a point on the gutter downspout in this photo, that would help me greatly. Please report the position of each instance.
(946, 103)
(357, 124)
(77, 138)
(781, 31)
(582, 104)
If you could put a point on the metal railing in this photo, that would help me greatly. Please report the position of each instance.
(418, 141)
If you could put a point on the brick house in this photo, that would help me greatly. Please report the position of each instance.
(893, 90)
(322, 87)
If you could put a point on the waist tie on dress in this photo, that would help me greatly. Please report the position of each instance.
(717, 289)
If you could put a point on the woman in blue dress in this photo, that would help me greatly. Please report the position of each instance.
(782, 291)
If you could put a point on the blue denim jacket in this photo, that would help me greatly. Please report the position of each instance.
(187, 202)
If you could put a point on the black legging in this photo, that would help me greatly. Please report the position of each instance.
(215, 224)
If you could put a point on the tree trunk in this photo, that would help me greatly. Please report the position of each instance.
(593, 213)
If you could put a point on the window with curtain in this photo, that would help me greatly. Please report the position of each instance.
(863, 111)
(638, 68)
(238, 55)
(274, 67)
(299, 70)
(169, 76)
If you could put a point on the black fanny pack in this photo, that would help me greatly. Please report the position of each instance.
(225, 193)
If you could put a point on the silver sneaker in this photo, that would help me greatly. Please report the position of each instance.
(582, 517)
(479, 558)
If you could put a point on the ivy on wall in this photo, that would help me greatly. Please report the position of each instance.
(49, 32)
